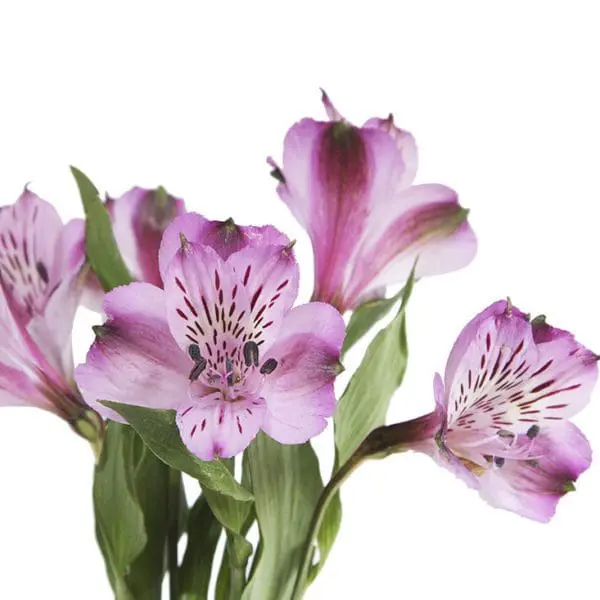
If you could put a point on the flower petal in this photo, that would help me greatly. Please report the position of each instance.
(207, 305)
(17, 389)
(139, 217)
(533, 488)
(269, 276)
(505, 381)
(299, 391)
(429, 225)
(333, 174)
(213, 428)
(29, 233)
(52, 330)
(134, 359)
(225, 237)
(405, 143)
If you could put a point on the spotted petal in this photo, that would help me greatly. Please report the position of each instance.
(506, 381)
(213, 428)
(29, 234)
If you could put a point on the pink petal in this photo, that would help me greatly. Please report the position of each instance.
(213, 428)
(134, 359)
(139, 217)
(334, 173)
(207, 304)
(269, 275)
(53, 329)
(503, 380)
(425, 223)
(225, 237)
(406, 144)
(299, 392)
(18, 389)
(533, 488)
(30, 231)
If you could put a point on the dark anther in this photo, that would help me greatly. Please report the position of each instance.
(194, 352)
(533, 431)
(251, 354)
(499, 461)
(197, 369)
(269, 366)
(503, 433)
(229, 367)
(42, 272)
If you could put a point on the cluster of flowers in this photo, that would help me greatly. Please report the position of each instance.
(209, 329)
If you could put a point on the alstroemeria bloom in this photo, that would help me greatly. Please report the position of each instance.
(501, 422)
(351, 189)
(221, 343)
(41, 282)
(139, 218)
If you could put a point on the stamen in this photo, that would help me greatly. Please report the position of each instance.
(197, 369)
(251, 354)
(533, 431)
(499, 461)
(194, 352)
(269, 366)
(229, 367)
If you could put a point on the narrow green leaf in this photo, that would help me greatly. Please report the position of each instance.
(159, 431)
(101, 248)
(119, 518)
(365, 316)
(327, 533)
(203, 535)
(364, 404)
(151, 479)
(286, 483)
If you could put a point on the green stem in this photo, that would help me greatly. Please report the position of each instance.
(326, 496)
(173, 532)
(381, 442)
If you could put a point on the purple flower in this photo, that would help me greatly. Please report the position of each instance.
(351, 189)
(139, 218)
(41, 281)
(221, 344)
(501, 421)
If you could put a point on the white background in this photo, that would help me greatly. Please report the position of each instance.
(504, 102)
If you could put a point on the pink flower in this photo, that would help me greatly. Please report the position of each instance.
(351, 189)
(502, 426)
(221, 344)
(139, 218)
(41, 282)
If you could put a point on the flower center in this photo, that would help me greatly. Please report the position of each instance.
(235, 378)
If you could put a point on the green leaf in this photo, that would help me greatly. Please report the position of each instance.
(203, 535)
(365, 316)
(101, 248)
(327, 533)
(364, 404)
(159, 431)
(119, 518)
(236, 517)
(286, 483)
(151, 480)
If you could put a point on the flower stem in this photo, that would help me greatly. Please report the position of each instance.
(381, 442)
(326, 496)
(173, 532)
